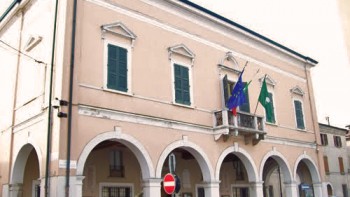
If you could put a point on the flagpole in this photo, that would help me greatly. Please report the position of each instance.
(257, 103)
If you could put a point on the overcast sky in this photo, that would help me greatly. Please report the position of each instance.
(312, 28)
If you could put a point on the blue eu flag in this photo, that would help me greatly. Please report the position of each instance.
(237, 97)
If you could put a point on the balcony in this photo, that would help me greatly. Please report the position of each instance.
(251, 126)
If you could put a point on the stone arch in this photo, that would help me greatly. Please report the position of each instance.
(18, 167)
(310, 164)
(135, 146)
(195, 150)
(282, 162)
(244, 156)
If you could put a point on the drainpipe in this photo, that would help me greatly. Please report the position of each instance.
(69, 129)
(313, 110)
(9, 9)
(49, 118)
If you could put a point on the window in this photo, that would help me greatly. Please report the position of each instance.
(324, 139)
(117, 68)
(345, 189)
(116, 167)
(299, 114)
(182, 74)
(272, 118)
(240, 191)
(228, 87)
(119, 41)
(116, 190)
(36, 188)
(182, 85)
(337, 141)
(341, 165)
(200, 192)
(326, 166)
(245, 107)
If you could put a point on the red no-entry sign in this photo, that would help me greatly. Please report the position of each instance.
(169, 183)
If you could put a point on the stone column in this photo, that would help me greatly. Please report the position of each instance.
(152, 187)
(291, 189)
(212, 189)
(318, 189)
(16, 189)
(5, 190)
(256, 189)
(76, 186)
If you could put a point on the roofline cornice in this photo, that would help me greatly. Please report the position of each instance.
(214, 17)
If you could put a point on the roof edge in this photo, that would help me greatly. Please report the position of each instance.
(326, 125)
(7, 11)
(230, 22)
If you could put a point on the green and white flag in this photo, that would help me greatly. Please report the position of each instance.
(265, 101)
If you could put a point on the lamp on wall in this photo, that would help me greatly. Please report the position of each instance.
(57, 105)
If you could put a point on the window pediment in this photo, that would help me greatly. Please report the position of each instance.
(118, 28)
(297, 90)
(182, 50)
(268, 80)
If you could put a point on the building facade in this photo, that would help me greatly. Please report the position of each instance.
(99, 94)
(333, 141)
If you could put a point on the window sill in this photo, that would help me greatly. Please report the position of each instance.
(118, 92)
(301, 130)
(272, 124)
(183, 105)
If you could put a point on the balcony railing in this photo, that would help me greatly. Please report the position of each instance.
(246, 124)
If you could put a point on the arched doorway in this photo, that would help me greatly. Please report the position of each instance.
(25, 178)
(193, 168)
(188, 171)
(304, 181)
(111, 169)
(234, 177)
(273, 179)
(307, 177)
(114, 163)
(276, 176)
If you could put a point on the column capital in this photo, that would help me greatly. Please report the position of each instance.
(212, 183)
(152, 182)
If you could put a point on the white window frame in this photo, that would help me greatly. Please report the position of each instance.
(108, 184)
(295, 116)
(105, 66)
(189, 66)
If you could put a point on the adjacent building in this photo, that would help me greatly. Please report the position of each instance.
(96, 94)
(333, 143)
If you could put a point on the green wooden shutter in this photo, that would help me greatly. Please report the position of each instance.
(182, 85)
(299, 115)
(272, 119)
(117, 76)
(245, 106)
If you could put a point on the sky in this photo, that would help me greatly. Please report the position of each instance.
(312, 28)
